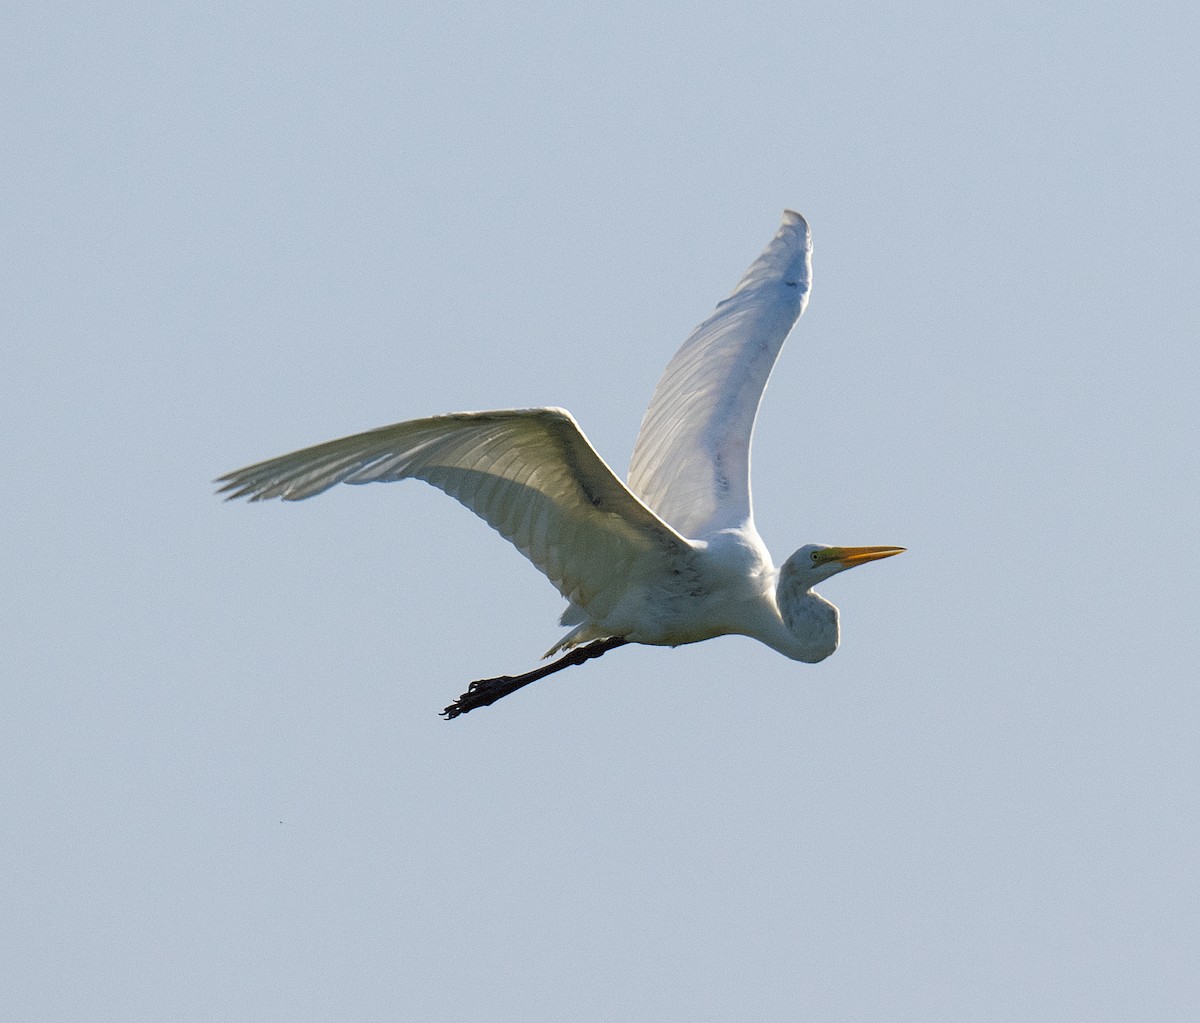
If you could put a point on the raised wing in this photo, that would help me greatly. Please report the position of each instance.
(531, 474)
(691, 462)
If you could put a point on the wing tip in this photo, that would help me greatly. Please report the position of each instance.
(236, 486)
(795, 221)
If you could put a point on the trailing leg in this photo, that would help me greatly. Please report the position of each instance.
(487, 691)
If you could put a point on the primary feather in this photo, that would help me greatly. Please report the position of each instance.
(691, 462)
(531, 474)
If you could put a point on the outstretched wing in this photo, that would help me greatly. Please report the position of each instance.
(531, 474)
(691, 462)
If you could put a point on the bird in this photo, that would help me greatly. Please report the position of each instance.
(671, 555)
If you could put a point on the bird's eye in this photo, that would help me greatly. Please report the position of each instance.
(812, 555)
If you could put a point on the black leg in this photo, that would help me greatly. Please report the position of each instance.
(488, 690)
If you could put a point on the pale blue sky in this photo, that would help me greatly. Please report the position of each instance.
(233, 230)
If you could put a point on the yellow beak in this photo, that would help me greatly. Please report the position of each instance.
(848, 557)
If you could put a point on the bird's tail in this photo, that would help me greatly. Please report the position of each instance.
(585, 632)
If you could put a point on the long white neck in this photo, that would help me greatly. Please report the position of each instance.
(810, 622)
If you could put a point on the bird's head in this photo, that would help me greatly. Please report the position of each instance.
(815, 562)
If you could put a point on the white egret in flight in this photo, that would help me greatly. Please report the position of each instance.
(671, 556)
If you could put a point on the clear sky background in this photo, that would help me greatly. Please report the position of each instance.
(231, 230)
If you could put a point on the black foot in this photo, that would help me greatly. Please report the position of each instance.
(487, 691)
(483, 693)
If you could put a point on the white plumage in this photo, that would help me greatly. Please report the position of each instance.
(671, 558)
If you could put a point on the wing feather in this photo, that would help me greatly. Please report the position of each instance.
(691, 462)
(529, 473)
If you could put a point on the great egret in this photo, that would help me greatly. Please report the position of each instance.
(671, 557)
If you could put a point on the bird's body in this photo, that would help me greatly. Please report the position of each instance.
(670, 558)
(720, 585)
